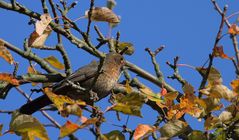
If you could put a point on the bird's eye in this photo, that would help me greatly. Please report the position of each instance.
(122, 60)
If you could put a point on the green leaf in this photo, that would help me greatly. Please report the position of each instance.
(27, 126)
(197, 135)
(113, 135)
(173, 128)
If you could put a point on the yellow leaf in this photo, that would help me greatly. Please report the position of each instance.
(171, 95)
(128, 87)
(214, 76)
(68, 128)
(143, 130)
(150, 94)
(32, 70)
(235, 86)
(9, 78)
(54, 62)
(233, 30)
(123, 45)
(27, 126)
(61, 101)
(103, 14)
(188, 89)
(130, 104)
(5, 54)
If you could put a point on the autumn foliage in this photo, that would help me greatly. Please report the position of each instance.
(130, 95)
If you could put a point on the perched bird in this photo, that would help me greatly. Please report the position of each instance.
(99, 78)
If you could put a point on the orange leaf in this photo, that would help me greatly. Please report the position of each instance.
(68, 128)
(218, 52)
(234, 29)
(54, 62)
(103, 14)
(143, 130)
(5, 54)
(235, 85)
(88, 122)
(9, 78)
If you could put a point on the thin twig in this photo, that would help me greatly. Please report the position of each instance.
(92, 2)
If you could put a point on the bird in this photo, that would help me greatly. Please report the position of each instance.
(98, 77)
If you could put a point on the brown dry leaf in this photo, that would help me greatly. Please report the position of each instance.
(9, 78)
(55, 62)
(5, 54)
(68, 128)
(38, 41)
(211, 123)
(171, 95)
(60, 102)
(143, 130)
(233, 30)
(42, 24)
(235, 86)
(218, 52)
(88, 122)
(28, 127)
(1, 126)
(214, 76)
(103, 14)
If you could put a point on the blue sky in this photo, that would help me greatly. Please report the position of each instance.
(187, 28)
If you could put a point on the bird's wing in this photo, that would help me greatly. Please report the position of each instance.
(82, 74)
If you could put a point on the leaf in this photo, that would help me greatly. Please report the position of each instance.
(218, 52)
(111, 4)
(212, 104)
(38, 37)
(143, 130)
(211, 123)
(233, 30)
(130, 104)
(32, 70)
(68, 128)
(27, 126)
(42, 24)
(188, 89)
(197, 135)
(235, 86)
(113, 135)
(5, 54)
(123, 45)
(218, 91)
(173, 128)
(214, 76)
(103, 14)
(150, 94)
(9, 78)
(61, 102)
(171, 95)
(225, 116)
(37, 41)
(89, 122)
(54, 62)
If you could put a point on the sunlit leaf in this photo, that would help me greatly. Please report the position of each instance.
(143, 130)
(225, 116)
(37, 41)
(214, 76)
(68, 128)
(42, 24)
(212, 104)
(89, 122)
(150, 94)
(188, 89)
(28, 127)
(103, 14)
(32, 70)
(55, 62)
(130, 104)
(233, 30)
(5, 54)
(113, 135)
(9, 78)
(235, 86)
(173, 128)
(218, 52)
(111, 4)
(61, 102)
(123, 45)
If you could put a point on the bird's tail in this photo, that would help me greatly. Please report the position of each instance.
(35, 105)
